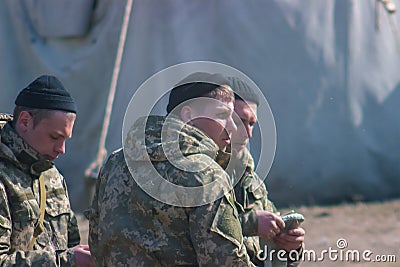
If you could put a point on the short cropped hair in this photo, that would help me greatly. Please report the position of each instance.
(223, 93)
(37, 114)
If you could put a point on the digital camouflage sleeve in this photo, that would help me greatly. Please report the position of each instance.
(252, 194)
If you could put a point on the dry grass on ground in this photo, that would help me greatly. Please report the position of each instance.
(364, 226)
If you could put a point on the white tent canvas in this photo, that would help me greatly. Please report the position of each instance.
(329, 70)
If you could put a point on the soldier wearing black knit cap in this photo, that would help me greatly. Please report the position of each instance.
(260, 222)
(177, 207)
(37, 225)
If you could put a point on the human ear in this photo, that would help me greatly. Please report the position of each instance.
(24, 121)
(186, 114)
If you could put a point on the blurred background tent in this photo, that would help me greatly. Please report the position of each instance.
(329, 69)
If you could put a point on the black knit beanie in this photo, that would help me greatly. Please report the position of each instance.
(242, 90)
(46, 92)
(195, 85)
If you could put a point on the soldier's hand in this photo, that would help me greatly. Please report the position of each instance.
(292, 240)
(269, 224)
(83, 256)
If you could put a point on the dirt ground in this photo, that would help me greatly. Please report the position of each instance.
(369, 228)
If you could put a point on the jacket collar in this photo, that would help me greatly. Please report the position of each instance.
(20, 153)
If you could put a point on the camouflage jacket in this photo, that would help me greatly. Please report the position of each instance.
(20, 167)
(127, 226)
(252, 195)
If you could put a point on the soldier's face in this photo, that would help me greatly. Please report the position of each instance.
(214, 118)
(48, 136)
(246, 118)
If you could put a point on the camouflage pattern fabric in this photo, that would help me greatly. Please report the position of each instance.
(20, 167)
(252, 195)
(128, 227)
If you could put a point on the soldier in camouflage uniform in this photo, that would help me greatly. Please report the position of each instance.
(260, 218)
(37, 225)
(130, 227)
